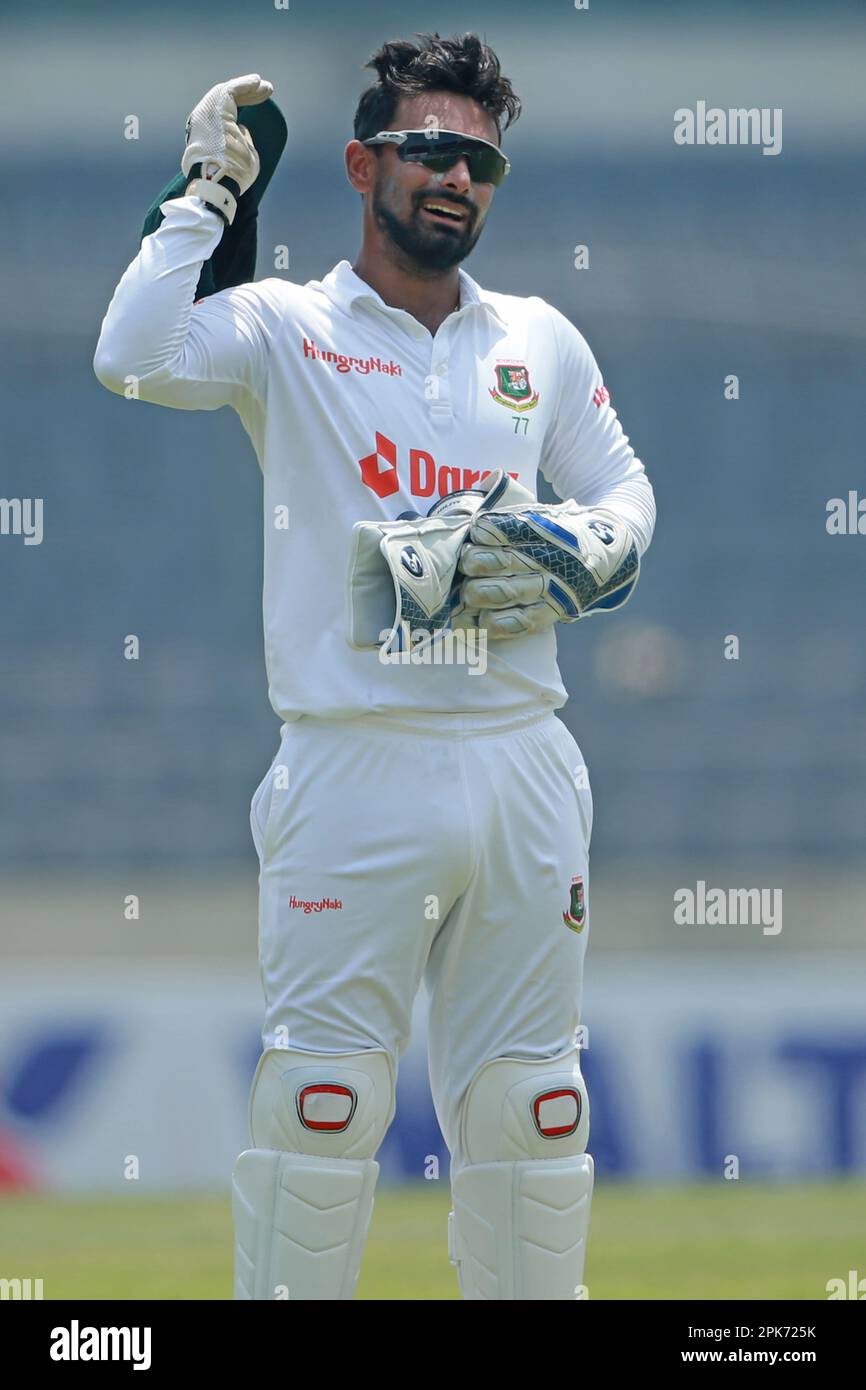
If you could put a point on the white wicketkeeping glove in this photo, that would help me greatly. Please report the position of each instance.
(222, 147)
(528, 567)
(403, 585)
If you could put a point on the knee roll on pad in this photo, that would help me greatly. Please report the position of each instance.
(523, 1190)
(302, 1197)
(516, 1108)
(336, 1105)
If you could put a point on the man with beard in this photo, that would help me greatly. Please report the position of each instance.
(419, 821)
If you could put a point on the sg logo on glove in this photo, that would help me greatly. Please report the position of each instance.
(411, 560)
(604, 532)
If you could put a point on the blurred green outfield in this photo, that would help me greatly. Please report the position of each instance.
(726, 1240)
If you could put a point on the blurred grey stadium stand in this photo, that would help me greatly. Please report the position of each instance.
(704, 262)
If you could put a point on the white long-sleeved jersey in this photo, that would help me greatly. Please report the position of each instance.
(357, 413)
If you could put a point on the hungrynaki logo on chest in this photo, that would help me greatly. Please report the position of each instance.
(513, 387)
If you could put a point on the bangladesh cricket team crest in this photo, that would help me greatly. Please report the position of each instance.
(575, 916)
(513, 387)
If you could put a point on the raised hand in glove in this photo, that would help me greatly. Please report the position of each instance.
(220, 154)
(528, 567)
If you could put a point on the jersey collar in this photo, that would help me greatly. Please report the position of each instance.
(345, 289)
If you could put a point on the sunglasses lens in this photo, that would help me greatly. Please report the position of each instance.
(437, 162)
(485, 165)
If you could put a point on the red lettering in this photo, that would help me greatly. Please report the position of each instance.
(379, 470)
(449, 480)
(419, 458)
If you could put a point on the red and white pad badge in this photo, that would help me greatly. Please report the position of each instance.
(326, 1107)
(557, 1113)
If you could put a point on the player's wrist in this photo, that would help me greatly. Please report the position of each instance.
(221, 196)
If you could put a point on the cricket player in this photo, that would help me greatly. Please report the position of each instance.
(422, 821)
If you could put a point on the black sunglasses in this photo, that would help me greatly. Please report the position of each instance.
(440, 150)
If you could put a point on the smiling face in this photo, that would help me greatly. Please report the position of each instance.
(433, 219)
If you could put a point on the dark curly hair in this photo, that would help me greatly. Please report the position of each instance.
(462, 64)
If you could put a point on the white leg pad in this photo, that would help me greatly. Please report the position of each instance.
(300, 1224)
(522, 1190)
(519, 1230)
(302, 1198)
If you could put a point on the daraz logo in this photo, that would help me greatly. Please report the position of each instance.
(426, 477)
(379, 470)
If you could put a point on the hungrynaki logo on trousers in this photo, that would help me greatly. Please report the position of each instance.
(316, 905)
(575, 916)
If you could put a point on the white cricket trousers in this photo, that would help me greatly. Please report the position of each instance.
(444, 849)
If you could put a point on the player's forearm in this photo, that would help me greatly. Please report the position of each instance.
(147, 324)
(632, 501)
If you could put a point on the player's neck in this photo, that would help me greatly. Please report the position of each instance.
(429, 299)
